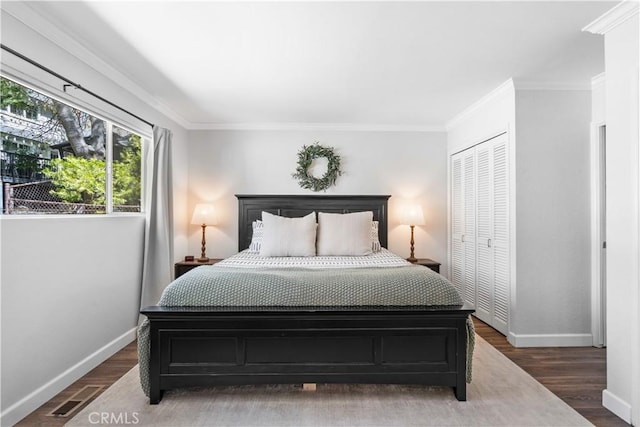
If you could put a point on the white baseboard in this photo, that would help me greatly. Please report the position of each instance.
(43, 394)
(550, 340)
(616, 405)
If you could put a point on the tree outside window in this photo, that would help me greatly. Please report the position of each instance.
(55, 158)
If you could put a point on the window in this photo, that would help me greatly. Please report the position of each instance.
(56, 159)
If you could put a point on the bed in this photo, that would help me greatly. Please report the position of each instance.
(185, 345)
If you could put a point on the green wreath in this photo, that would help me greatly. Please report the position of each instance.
(306, 156)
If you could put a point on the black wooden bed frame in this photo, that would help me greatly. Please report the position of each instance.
(206, 346)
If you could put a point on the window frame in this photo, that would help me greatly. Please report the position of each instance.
(110, 120)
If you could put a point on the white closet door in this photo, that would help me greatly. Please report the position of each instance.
(492, 246)
(484, 232)
(457, 223)
(469, 236)
(501, 259)
(463, 262)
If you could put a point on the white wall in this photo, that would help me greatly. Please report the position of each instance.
(70, 286)
(553, 212)
(70, 294)
(488, 117)
(407, 165)
(598, 99)
(623, 259)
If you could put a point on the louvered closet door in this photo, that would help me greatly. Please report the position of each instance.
(492, 245)
(469, 236)
(484, 232)
(500, 241)
(463, 224)
(457, 223)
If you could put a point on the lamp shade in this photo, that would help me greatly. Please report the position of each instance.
(412, 215)
(204, 214)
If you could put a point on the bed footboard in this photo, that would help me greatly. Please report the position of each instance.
(226, 346)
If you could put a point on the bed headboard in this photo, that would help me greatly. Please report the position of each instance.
(250, 208)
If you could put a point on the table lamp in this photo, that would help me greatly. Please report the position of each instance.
(412, 216)
(203, 215)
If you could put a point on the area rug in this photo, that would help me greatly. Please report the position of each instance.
(501, 394)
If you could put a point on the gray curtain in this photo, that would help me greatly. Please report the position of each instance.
(158, 244)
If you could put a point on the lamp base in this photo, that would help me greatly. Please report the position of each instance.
(412, 259)
(203, 246)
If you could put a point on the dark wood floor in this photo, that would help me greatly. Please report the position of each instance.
(104, 375)
(576, 375)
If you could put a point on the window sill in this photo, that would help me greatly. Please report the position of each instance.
(21, 217)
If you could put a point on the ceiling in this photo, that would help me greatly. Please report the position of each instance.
(385, 65)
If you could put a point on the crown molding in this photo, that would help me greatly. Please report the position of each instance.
(470, 110)
(613, 17)
(326, 127)
(513, 85)
(600, 79)
(28, 15)
(568, 86)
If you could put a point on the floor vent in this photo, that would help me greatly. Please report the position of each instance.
(76, 401)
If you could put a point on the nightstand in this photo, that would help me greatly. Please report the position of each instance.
(183, 266)
(434, 265)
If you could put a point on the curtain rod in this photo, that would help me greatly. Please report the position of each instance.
(71, 83)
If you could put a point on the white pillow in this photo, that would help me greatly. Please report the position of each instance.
(257, 227)
(284, 236)
(344, 234)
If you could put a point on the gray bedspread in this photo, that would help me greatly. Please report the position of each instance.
(215, 286)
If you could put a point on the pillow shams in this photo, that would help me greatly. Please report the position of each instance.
(284, 236)
(258, 230)
(375, 237)
(344, 234)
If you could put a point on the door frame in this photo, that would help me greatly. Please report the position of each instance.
(598, 280)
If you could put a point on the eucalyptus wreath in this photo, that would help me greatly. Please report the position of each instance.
(306, 156)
